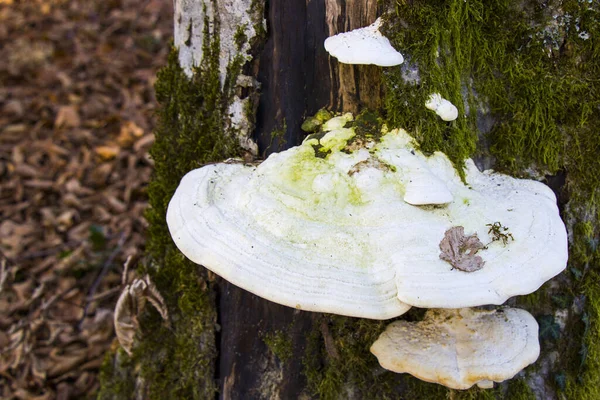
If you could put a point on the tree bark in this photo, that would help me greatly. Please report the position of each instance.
(297, 78)
(297, 75)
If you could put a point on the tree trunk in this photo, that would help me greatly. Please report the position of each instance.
(297, 77)
(517, 72)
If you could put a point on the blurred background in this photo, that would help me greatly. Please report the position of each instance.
(77, 110)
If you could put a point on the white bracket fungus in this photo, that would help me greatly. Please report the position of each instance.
(328, 226)
(461, 348)
(442, 107)
(363, 46)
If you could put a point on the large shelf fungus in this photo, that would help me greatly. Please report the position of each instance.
(363, 46)
(328, 226)
(461, 348)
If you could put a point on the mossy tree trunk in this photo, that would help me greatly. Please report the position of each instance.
(525, 77)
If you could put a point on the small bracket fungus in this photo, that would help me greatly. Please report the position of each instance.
(363, 46)
(331, 226)
(425, 188)
(461, 348)
(442, 107)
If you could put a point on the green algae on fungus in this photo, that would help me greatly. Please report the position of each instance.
(313, 124)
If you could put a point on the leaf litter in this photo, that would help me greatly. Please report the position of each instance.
(76, 118)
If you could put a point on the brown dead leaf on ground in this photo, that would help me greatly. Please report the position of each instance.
(67, 117)
(76, 114)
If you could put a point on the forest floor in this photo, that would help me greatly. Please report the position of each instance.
(77, 111)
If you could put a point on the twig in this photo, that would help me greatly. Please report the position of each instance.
(124, 280)
(3, 274)
(50, 251)
(101, 296)
(328, 339)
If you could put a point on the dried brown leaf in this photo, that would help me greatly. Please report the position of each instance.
(62, 363)
(130, 305)
(129, 132)
(14, 108)
(107, 152)
(459, 250)
(67, 117)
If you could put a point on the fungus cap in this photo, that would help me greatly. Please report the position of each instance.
(424, 188)
(324, 227)
(363, 46)
(459, 348)
(442, 107)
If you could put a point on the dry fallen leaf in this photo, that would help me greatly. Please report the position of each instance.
(130, 304)
(459, 250)
(67, 117)
(107, 152)
(130, 132)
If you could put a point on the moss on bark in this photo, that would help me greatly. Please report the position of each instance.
(178, 362)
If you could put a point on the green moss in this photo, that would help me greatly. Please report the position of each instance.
(311, 124)
(473, 52)
(117, 376)
(519, 390)
(178, 362)
(240, 37)
(351, 337)
(323, 115)
(277, 142)
(584, 379)
(257, 10)
(439, 44)
(280, 344)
